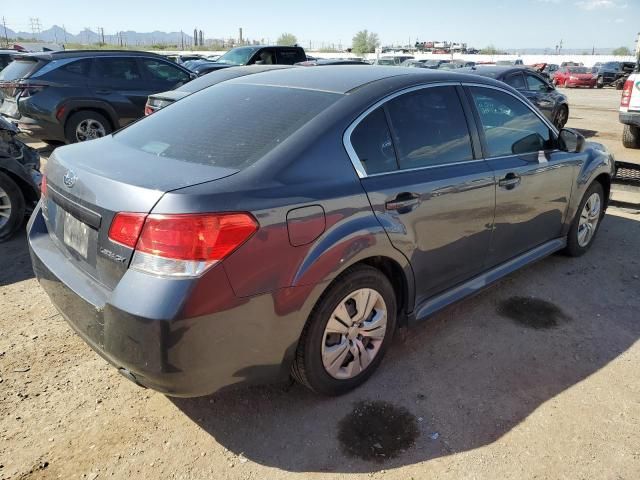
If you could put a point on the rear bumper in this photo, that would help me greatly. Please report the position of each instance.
(177, 337)
(630, 118)
(41, 129)
(581, 83)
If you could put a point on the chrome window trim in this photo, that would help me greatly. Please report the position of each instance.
(346, 137)
(357, 164)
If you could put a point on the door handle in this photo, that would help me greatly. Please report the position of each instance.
(403, 201)
(510, 181)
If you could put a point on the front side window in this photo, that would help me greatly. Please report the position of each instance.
(164, 72)
(237, 56)
(509, 126)
(430, 128)
(372, 143)
(117, 69)
(536, 84)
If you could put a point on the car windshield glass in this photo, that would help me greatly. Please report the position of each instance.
(611, 65)
(17, 69)
(578, 70)
(237, 124)
(237, 56)
(432, 63)
(386, 61)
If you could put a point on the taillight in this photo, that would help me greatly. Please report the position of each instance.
(126, 227)
(43, 186)
(181, 245)
(148, 110)
(26, 90)
(627, 91)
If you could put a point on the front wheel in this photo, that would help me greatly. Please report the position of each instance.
(600, 82)
(586, 223)
(561, 117)
(347, 333)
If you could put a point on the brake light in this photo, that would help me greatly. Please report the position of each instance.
(43, 186)
(26, 90)
(148, 110)
(627, 91)
(181, 245)
(126, 227)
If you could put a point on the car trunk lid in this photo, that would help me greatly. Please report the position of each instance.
(88, 183)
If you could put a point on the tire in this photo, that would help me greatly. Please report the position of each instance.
(12, 201)
(575, 247)
(309, 364)
(561, 117)
(631, 136)
(600, 82)
(96, 126)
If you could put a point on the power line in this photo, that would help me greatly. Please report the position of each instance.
(35, 26)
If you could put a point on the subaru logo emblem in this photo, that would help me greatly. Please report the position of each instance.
(69, 178)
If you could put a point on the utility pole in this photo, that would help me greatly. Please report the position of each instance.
(102, 34)
(6, 37)
(35, 26)
(181, 40)
(65, 33)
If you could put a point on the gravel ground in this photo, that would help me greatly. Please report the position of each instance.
(537, 377)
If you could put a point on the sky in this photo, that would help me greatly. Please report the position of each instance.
(502, 23)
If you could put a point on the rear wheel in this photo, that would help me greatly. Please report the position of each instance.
(586, 223)
(347, 333)
(631, 136)
(12, 208)
(600, 82)
(86, 125)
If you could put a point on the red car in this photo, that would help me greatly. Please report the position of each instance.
(574, 77)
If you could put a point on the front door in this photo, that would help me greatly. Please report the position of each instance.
(432, 195)
(534, 177)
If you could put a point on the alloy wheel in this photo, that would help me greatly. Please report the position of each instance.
(89, 129)
(354, 333)
(5, 208)
(589, 219)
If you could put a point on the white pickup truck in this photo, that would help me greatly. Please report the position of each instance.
(630, 110)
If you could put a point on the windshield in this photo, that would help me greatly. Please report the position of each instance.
(17, 69)
(432, 63)
(237, 56)
(578, 70)
(386, 61)
(237, 124)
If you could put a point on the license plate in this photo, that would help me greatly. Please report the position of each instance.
(76, 234)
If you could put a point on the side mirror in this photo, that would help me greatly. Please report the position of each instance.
(571, 141)
(193, 76)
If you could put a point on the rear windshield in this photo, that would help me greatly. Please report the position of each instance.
(227, 125)
(17, 69)
(577, 70)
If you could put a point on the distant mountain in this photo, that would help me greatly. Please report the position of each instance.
(87, 36)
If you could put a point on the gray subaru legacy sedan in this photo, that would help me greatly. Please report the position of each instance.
(287, 222)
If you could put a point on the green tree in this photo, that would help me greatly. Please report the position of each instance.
(365, 42)
(490, 50)
(622, 51)
(288, 39)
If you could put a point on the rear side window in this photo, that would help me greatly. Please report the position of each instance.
(290, 56)
(164, 72)
(4, 60)
(227, 125)
(516, 81)
(509, 126)
(65, 70)
(430, 128)
(18, 69)
(116, 69)
(372, 143)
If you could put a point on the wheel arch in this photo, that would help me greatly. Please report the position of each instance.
(104, 109)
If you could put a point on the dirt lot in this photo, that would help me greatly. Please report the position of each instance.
(535, 378)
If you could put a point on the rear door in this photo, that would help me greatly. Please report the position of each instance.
(432, 195)
(119, 82)
(534, 177)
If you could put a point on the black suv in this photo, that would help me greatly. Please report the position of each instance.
(609, 73)
(259, 55)
(74, 96)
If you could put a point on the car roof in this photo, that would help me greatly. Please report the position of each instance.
(343, 79)
(497, 70)
(88, 53)
(224, 74)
